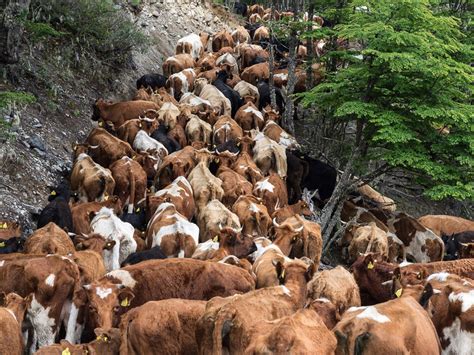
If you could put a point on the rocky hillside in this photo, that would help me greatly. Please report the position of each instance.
(38, 150)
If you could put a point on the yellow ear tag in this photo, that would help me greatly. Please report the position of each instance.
(398, 292)
(216, 239)
(106, 197)
(370, 265)
(53, 193)
(282, 274)
(125, 302)
(4, 225)
(2, 244)
(101, 124)
(140, 125)
(66, 352)
(137, 210)
(102, 338)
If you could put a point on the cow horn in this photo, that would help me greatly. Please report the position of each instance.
(93, 146)
(275, 223)
(147, 119)
(151, 110)
(297, 230)
(84, 235)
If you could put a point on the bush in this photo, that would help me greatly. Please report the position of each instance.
(99, 27)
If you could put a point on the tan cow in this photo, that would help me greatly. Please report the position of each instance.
(233, 184)
(227, 324)
(299, 208)
(213, 217)
(400, 326)
(198, 130)
(248, 91)
(206, 91)
(12, 313)
(240, 35)
(273, 131)
(261, 34)
(172, 232)
(249, 117)
(229, 63)
(206, 187)
(269, 155)
(446, 225)
(128, 131)
(177, 63)
(253, 215)
(49, 240)
(91, 180)
(384, 202)
(338, 286)
(272, 190)
(226, 129)
(264, 266)
(119, 112)
(368, 239)
(168, 114)
(161, 327)
(303, 332)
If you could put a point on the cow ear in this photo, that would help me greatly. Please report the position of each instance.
(310, 271)
(280, 270)
(397, 273)
(109, 245)
(426, 295)
(79, 246)
(125, 297)
(80, 295)
(369, 261)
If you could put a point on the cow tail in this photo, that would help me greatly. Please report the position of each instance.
(222, 328)
(131, 200)
(124, 325)
(258, 221)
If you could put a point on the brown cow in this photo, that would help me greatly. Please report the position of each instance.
(91, 180)
(255, 73)
(213, 217)
(161, 327)
(269, 155)
(12, 313)
(198, 130)
(49, 240)
(446, 225)
(261, 34)
(256, 9)
(366, 329)
(273, 131)
(222, 39)
(264, 266)
(303, 332)
(249, 117)
(253, 215)
(226, 326)
(233, 184)
(248, 53)
(177, 63)
(181, 83)
(119, 112)
(153, 280)
(368, 239)
(104, 148)
(206, 187)
(130, 181)
(240, 35)
(179, 163)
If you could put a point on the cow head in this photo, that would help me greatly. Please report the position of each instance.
(287, 236)
(295, 270)
(16, 304)
(11, 245)
(467, 251)
(236, 243)
(270, 114)
(79, 149)
(245, 144)
(326, 310)
(302, 208)
(95, 242)
(204, 36)
(106, 302)
(9, 229)
(374, 277)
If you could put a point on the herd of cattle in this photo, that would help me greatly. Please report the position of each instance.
(181, 229)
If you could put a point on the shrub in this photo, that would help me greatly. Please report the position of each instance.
(98, 27)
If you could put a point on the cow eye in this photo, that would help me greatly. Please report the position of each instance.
(116, 309)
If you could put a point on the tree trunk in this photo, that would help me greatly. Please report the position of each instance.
(11, 29)
(310, 48)
(271, 62)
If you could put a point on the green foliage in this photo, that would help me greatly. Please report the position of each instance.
(98, 27)
(15, 98)
(40, 30)
(413, 80)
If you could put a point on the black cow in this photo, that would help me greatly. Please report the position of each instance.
(230, 146)
(135, 258)
(57, 210)
(234, 97)
(297, 171)
(264, 92)
(252, 27)
(154, 81)
(321, 176)
(257, 60)
(11, 245)
(240, 9)
(160, 134)
(137, 218)
(453, 243)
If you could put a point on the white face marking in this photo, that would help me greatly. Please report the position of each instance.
(466, 299)
(264, 185)
(440, 276)
(2, 262)
(436, 291)
(253, 111)
(324, 300)
(103, 292)
(353, 309)
(405, 263)
(50, 280)
(372, 313)
(461, 341)
(254, 208)
(124, 276)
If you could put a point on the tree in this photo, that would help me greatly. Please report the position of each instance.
(406, 95)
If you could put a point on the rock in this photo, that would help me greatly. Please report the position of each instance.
(36, 142)
(26, 144)
(38, 125)
(155, 13)
(40, 152)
